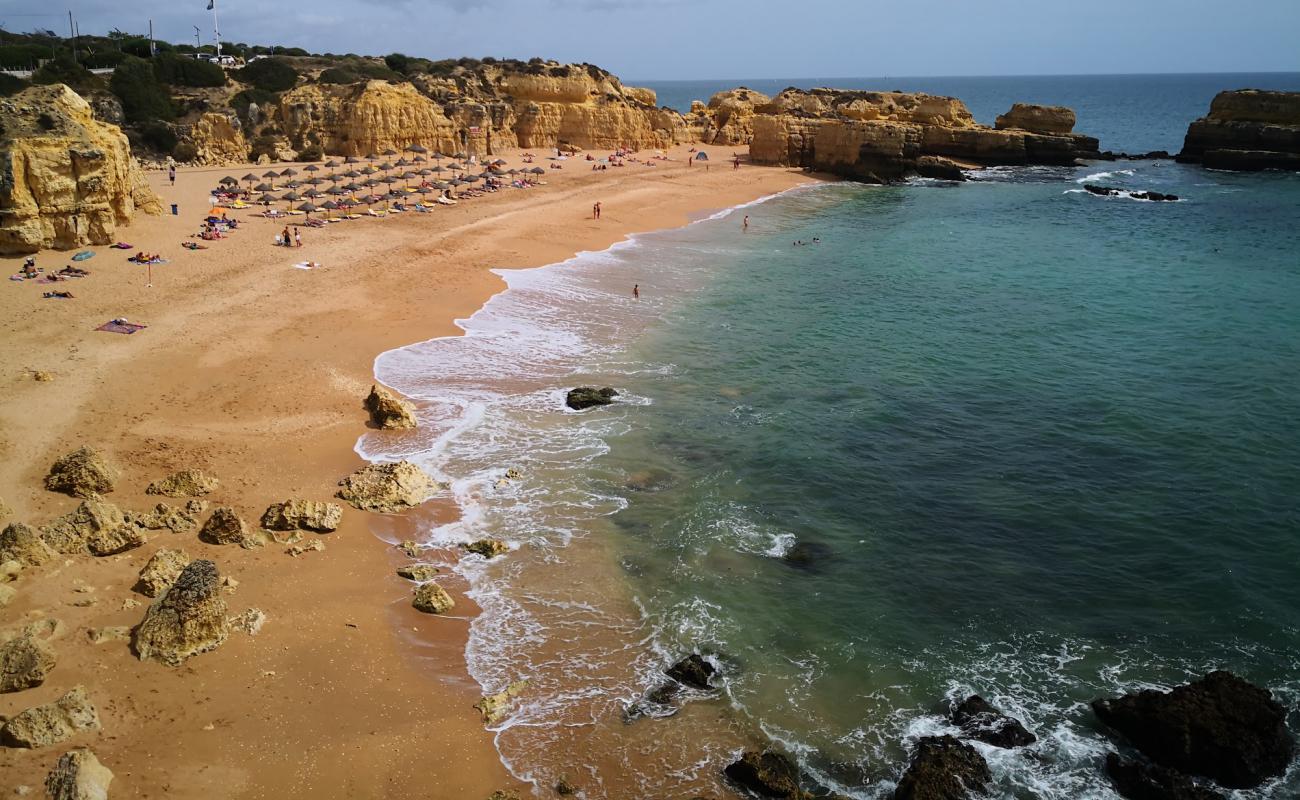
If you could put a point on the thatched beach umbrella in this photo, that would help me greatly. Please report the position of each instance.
(329, 205)
(266, 199)
(537, 171)
(390, 152)
(401, 162)
(419, 160)
(312, 168)
(311, 193)
(416, 148)
(368, 170)
(385, 166)
(307, 208)
(228, 180)
(263, 187)
(371, 156)
(351, 160)
(249, 179)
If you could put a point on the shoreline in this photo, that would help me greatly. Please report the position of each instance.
(232, 379)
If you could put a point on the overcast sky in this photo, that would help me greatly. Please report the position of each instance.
(672, 39)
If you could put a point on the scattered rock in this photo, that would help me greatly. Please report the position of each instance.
(229, 584)
(52, 723)
(389, 411)
(979, 720)
(223, 527)
(196, 507)
(78, 775)
(499, 795)
(387, 488)
(1106, 191)
(24, 663)
(70, 533)
(585, 397)
(163, 516)
(186, 483)
(249, 622)
(410, 547)
(10, 570)
(112, 633)
(488, 548)
(82, 473)
(161, 571)
(432, 599)
(20, 543)
(943, 768)
(41, 376)
(693, 671)
(116, 540)
(1220, 726)
(307, 515)
(130, 602)
(189, 619)
(1138, 781)
(494, 707)
(768, 774)
(418, 572)
(298, 549)
(5, 510)
(564, 787)
(7, 595)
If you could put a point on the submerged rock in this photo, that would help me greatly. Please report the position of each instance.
(82, 473)
(307, 515)
(387, 487)
(186, 483)
(78, 775)
(1138, 781)
(388, 411)
(432, 599)
(693, 671)
(51, 723)
(979, 720)
(20, 543)
(224, 527)
(488, 548)
(495, 707)
(24, 663)
(161, 571)
(1220, 726)
(768, 774)
(418, 572)
(943, 768)
(189, 619)
(1106, 191)
(585, 397)
(808, 556)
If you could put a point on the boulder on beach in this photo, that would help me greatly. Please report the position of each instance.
(585, 397)
(70, 534)
(1221, 727)
(306, 515)
(495, 707)
(693, 671)
(943, 768)
(82, 473)
(190, 618)
(165, 517)
(979, 720)
(162, 570)
(51, 723)
(388, 411)
(488, 548)
(432, 599)
(387, 488)
(78, 775)
(418, 572)
(111, 541)
(768, 774)
(24, 662)
(186, 483)
(1138, 781)
(20, 543)
(224, 527)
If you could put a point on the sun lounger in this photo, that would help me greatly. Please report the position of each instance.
(121, 326)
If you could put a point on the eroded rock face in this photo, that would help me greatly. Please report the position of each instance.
(388, 411)
(111, 541)
(224, 527)
(218, 139)
(1037, 119)
(84, 472)
(1220, 726)
(1138, 781)
(1247, 130)
(306, 515)
(66, 179)
(186, 483)
(387, 487)
(52, 723)
(943, 768)
(768, 774)
(432, 599)
(165, 517)
(24, 662)
(729, 119)
(585, 397)
(78, 775)
(20, 543)
(979, 720)
(189, 619)
(162, 570)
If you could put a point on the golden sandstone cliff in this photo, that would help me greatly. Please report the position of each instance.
(66, 179)
(1248, 129)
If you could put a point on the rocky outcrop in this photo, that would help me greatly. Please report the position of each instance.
(224, 527)
(1248, 129)
(188, 620)
(432, 599)
(767, 774)
(387, 487)
(1220, 726)
(218, 139)
(693, 671)
(387, 410)
(943, 768)
(979, 720)
(1138, 781)
(161, 571)
(165, 517)
(728, 119)
(585, 397)
(488, 548)
(52, 723)
(186, 483)
(78, 775)
(1107, 191)
(66, 179)
(1037, 119)
(84, 472)
(363, 118)
(305, 515)
(24, 662)
(21, 543)
(495, 707)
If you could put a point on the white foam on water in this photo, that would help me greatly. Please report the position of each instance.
(1101, 176)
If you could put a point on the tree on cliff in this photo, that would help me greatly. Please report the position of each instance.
(269, 74)
(143, 96)
(63, 70)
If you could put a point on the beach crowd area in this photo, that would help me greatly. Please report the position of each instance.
(253, 370)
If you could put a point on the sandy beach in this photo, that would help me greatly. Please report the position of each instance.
(254, 371)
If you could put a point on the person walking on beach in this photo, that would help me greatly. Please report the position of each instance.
(297, 237)
(595, 210)
(598, 211)
(171, 173)
(636, 291)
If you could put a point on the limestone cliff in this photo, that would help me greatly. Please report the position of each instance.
(218, 139)
(1248, 129)
(362, 118)
(66, 179)
(728, 119)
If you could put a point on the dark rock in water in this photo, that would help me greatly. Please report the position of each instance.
(589, 396)
(658, 702)
(1221, 726)
(693, 671)
(649, 480)
(938, 167)
(1250, 160)
(768, 774)
(979, 720)
(943, 768)
(807, 555)
(1138, 781)
(1154, 155)
(1106, 191)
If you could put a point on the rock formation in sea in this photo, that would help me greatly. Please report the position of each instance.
(66, 179)
(981, 721)
(1139, 781)
(767, 774)
(585, 397)
(1247, 129)
(886, 136)
(943, 768)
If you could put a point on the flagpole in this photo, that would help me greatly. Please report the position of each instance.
(216, 31)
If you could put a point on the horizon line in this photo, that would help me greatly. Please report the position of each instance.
(932, 77)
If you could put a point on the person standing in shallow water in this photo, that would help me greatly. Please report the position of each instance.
(636, 291)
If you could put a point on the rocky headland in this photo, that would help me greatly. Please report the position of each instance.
(1247, 130)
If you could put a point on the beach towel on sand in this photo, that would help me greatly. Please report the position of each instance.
(112, 326)
(83, 255)
(123, 246)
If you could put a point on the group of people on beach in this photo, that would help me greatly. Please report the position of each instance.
(287, 240)
(595, 210)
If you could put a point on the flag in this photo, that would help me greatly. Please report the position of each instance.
(211, 3)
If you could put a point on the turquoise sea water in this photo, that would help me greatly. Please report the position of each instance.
(1001, 437)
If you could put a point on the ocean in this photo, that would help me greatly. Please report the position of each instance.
(1003, 437)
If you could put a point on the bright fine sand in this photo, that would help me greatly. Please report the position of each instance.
(254, 371)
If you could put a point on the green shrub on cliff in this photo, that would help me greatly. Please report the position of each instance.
(63, 70)
(269, 75)
(178, 70)
(143, 97)
(158, 136)
(10, 85)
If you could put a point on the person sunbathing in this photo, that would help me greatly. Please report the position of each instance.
(61, 295)
(75, 272)
(193, 246)
(29, 268)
